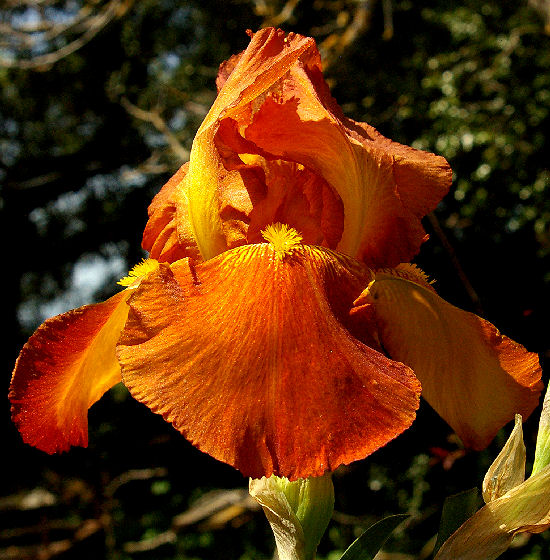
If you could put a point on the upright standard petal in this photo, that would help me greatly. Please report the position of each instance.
(64, 368)
(365, 194)
(241, 349)
(474, 377)
(168, 236)
(385, 187)
(268, 58)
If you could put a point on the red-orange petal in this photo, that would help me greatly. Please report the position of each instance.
(268, 57)
(168, 235)
(476, 378)
(386, 188)
(248, 356)
(64, 368)
(273, 103)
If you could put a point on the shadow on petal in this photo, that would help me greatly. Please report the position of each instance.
(474, 377)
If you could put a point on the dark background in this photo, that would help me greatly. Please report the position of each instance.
(100, 101)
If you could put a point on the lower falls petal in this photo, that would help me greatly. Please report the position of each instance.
(474, 377)
(249, 357)
(65, 367)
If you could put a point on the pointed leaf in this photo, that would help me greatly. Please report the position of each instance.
(542, 452)
(369, 543)
(456, 510)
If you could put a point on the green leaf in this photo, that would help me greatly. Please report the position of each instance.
(542, 451)
(456, 510)
(369, 543)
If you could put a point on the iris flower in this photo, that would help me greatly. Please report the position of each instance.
(277, 324)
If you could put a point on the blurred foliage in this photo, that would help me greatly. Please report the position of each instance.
(99, 103)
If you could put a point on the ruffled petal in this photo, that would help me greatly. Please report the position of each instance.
(168, 235)
(474, 377)
(241, 349)
(65, 367)
(268, 57)
(367, 194)
(386, 188)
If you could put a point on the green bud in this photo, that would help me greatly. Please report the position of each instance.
(297, 511)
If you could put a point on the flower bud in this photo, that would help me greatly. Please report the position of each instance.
(298, 512)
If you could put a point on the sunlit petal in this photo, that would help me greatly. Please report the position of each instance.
(242, 350)
(268, 57)
(366, 194)
(168, 236)
(385, 187)
(474, 377)
(64, 368)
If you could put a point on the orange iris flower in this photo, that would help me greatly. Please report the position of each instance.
(294, 356)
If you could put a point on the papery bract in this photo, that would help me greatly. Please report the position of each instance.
(521, 507)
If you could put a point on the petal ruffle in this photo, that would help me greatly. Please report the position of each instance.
(474, 377)
(168, 235)
(369, 193)
(65, 367)
(241, 349)
(267, 59)
(386, 188)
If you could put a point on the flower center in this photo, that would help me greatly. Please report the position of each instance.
(282, 238)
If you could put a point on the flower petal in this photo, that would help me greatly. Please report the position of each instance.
(487, 534)
(65, 367)
(168, 236)
(241, 349)
(268, 57)
(474, 377)
(278, 191)
(273, 103)
(386, 188)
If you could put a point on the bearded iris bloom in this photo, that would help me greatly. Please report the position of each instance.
(277, 324)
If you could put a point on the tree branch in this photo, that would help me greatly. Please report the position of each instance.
(160, 124)
(92, 26)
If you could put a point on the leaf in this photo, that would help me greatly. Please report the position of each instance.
(542, 451)
(369, 543)
(456, 510)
